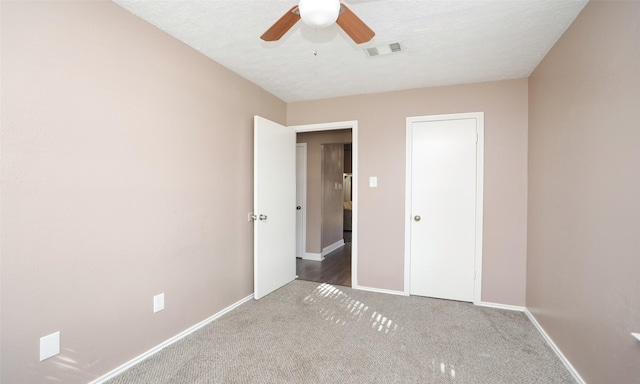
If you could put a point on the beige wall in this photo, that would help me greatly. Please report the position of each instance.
(113, 189)
(584, 188)
(314, 142)
(126, 172)
(381, 150)
(332, 197)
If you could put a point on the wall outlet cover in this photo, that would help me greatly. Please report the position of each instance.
(158, 303)
(49, 345)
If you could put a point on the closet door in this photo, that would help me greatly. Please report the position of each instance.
(443, 208)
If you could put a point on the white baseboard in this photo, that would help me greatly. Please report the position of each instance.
(312, 256)
(330, 248)
(378, 290)
(501, 306)
(555, 348)
(167, 342)
(325, 251)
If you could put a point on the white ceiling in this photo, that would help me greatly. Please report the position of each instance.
(444, 42)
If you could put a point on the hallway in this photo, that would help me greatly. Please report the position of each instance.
(335, 269)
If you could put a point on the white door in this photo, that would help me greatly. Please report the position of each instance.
(443, 208)
(274, 199)
(301, 194)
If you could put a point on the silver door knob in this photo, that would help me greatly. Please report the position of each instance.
(417, 218)
(262, 217)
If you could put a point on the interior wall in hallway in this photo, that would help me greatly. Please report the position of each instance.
(332, 194)
(314, 142)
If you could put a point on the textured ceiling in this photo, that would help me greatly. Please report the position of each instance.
(444, 42)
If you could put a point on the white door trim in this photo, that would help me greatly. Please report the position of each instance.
(304, 201)
(479, 116)
(353, 125)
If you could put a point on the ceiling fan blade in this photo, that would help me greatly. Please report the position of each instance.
(353, 26)
(280, 27)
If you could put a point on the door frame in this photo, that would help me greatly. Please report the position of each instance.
(303, 240)
(353, 125)
(479, 117)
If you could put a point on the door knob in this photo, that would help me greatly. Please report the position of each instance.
(417, 218)
(262, 217)
(298, 207)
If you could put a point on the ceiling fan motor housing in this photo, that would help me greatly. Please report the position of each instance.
(319, 13)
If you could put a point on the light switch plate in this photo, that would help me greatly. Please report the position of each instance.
(49, 345)
(373, 182)
(158, 303)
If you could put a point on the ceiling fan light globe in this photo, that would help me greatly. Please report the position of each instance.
(319, 13)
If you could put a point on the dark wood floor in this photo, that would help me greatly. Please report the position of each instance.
(335, 269)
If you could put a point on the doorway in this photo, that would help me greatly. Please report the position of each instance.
(327, 256)
(444, 206)
(330, 253)
(274, 202)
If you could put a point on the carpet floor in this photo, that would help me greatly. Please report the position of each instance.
(318, 333)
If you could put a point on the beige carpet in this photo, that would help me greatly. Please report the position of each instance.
(317, 333)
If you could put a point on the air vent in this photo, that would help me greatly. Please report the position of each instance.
(383, 50)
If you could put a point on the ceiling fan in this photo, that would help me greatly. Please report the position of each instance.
(320, 14)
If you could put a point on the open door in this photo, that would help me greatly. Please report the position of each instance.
(274, 204)
(301, 199)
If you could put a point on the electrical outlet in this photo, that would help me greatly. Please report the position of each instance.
(158, 303)
(49, 345)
